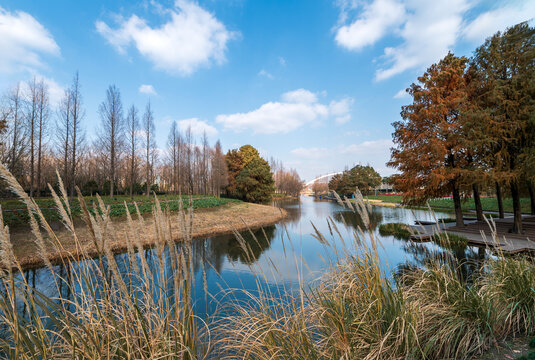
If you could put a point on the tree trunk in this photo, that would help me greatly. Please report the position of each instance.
(500, 200)
(457, 204)
(477, 201)
(517, 210)
(531, 196)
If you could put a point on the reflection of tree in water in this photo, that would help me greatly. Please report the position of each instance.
(212, 251)
(466, 262)
(353, 219)
(292, 207)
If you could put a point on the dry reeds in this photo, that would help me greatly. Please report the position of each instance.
(123, 311)
(139, 309)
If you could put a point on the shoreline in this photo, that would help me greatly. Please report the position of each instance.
(221, 220)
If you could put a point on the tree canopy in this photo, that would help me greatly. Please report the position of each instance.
(471, 123)
(249, 176)
(363, 177)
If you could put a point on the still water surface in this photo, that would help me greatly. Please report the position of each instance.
(285, 252)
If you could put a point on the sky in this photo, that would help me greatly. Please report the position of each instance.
(315, 84)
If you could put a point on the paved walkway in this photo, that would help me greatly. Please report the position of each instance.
(479, 233)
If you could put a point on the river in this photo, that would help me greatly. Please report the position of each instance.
(286, 254)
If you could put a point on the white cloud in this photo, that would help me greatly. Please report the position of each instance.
(296, 109)
(429, 32)
(421, 32)
(56, 92)
(198, 127)
(402, 94)
(311, 153)
(367, 148)
(23, 40)
(147, 89)
(282, 61)
(499, 19)
(375, 20)
(300, 96)
(191, 38)
(266, 74)
(341, 110)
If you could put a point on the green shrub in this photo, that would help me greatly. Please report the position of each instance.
(398, 230)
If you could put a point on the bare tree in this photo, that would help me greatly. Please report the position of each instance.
(174, 143)
(43, 112)
(204, 165)
(133, 127)
(188, 139)
(219, 169)
(32, 100)
(77, 136)
(112, 131)
(148, 128)
(15, 140)
(63, 128)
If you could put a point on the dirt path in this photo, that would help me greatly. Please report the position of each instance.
(206, 222)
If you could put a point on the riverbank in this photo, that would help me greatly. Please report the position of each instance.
(224, 219)
(489, 204)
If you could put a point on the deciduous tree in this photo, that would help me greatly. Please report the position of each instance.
(430, 147)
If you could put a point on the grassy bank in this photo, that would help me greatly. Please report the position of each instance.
(15, 213)
(355, 311)
(488, 203)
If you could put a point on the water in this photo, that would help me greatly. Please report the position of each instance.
(286, 252)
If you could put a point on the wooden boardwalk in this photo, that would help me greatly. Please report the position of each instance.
(479, 233)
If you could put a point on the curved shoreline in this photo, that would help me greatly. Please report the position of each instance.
(210, 222)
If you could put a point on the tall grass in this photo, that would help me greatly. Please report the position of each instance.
(105, 316)
(356, 309)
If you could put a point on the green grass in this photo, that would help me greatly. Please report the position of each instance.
(16, 215)
(398, 230)
(450, 240)
(488, 203)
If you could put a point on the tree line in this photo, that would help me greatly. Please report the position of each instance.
(471, 127)
(37, 138)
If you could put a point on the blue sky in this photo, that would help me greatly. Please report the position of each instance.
(315, 84)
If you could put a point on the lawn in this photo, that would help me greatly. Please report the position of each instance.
(488, 203)
(15, 214)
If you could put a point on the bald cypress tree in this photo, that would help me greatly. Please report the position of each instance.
(505, 66)
(430, 147)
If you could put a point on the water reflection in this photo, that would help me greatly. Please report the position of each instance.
(215, 251)
(354, 220)
(221, 262)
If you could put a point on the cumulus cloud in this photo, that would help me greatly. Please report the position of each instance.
(191, 38)
(300, 96)
(341, 110)
(198, 127)
(147, 89)
(23, 40)
(296, 109)
(372, 24)
(499, 19)
(421, 32)
(429, 32)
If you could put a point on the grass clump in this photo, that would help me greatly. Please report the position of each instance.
(398, 230)
(450, 240)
